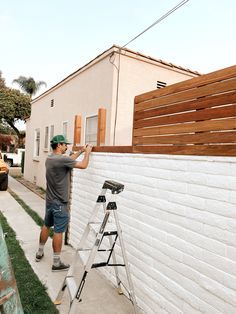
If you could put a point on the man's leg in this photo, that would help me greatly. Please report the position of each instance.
(42, 240)
(57, 245)
(57, 242)
(61, 219)
(58, 265)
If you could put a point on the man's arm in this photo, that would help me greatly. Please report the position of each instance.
(75, 155)
(83, 164)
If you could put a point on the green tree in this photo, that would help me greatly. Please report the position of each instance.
(2, 81)
(14, 106)
(5, 128)
(29, 85)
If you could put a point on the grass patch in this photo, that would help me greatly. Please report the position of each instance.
(31, 212)
(37, 219)
(33, 295)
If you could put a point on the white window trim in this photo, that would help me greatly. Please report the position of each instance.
(51, 136)
(46, 149)
(66, 121)
(85, 120)
(36, 157)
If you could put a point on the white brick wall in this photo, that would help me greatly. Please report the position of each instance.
(178, 216)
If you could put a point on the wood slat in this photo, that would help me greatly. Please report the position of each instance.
(207, 102)
(196, 138)
(209, 78)
(206, 90)
(108, 149)
(200, 150)
(211, 125)
(205, 114)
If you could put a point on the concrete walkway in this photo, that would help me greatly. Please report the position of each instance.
(98, 296)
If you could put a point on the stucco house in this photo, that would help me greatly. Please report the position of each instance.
(96, 102)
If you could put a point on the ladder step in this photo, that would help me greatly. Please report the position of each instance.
(108, 233)
(102, 264)
(95, 227)
(72, 287)
(115, 187)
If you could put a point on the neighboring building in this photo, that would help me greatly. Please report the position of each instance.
(109, 81)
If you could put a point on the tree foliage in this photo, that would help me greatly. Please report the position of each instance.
(2, 81)
(29, 85)
(5, 128)
(14, 106)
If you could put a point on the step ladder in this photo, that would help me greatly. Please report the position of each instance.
(101, 230)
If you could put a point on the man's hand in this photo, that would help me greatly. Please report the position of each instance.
(88, 148)
(84, 163)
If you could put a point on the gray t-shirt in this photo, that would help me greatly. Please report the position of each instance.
(58, 170)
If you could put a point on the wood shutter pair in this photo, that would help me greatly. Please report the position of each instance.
(101, 130)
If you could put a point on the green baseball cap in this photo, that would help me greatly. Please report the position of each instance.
(59, 139)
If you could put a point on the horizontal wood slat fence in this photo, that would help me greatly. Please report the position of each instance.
(193, 117)
(196, 117)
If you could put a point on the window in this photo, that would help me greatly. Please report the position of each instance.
(46, 138)
(51, 133)
(64, 128)
(91, 130)
(37, 142)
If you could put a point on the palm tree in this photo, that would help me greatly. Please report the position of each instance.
(29, 85)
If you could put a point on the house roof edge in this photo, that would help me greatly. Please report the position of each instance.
(113, 48)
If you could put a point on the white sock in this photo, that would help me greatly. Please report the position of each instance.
(56, 259)
(41, 248)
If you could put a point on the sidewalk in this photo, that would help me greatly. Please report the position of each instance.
(98, 296)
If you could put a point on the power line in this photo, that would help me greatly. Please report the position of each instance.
(158, 21)
(119, 52)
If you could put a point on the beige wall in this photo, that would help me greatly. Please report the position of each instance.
(92, 87)
(138, 76)
(83, 94)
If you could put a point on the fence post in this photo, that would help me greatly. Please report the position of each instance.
(101, 133)
(77, 130)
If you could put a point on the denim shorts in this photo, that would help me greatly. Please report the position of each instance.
(57, 215)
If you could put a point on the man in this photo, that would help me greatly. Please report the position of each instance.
(58, 170)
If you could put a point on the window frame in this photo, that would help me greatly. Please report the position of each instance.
(85, 129)
(46, 139)
(51, 134)
(36, 143)
(67, 124)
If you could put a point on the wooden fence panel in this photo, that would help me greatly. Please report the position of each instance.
(197, 116)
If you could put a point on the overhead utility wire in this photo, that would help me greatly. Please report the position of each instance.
(158, 21)
(118, 68)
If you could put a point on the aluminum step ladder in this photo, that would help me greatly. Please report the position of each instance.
(101, 230)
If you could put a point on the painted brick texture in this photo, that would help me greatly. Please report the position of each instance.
(178, 216)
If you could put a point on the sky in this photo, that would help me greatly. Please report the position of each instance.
(50, 39)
